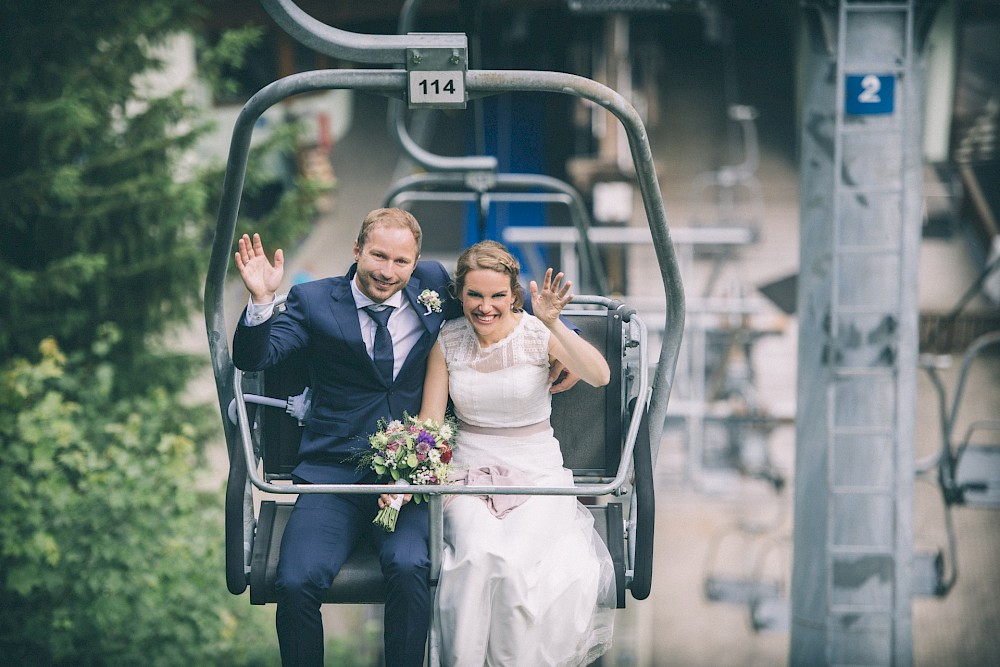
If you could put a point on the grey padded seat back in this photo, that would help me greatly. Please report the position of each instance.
(588, 420)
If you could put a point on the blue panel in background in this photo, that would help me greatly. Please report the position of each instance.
(868, 94)
(514, 132)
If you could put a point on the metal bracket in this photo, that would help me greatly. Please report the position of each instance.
(436, 75)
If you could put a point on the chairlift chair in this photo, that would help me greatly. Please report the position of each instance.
(724, 186)
(614, 460)
(967, 474)
(269, 414)
(764, 595)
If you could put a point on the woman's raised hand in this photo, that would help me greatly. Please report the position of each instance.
(552, 298)
(260, 277)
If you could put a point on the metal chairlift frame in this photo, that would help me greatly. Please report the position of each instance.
(399, 49)
(724, 182)
(966, 476)
(485, 189)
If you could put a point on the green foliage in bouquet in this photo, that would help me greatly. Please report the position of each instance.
(410, 451)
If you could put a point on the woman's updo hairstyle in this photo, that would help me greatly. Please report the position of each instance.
(491, 256)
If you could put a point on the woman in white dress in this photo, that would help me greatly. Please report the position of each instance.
(525, 580)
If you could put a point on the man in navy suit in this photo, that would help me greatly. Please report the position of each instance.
(351, 393)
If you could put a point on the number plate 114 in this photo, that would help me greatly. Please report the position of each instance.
(437, 89)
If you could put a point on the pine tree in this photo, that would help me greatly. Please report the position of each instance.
(95, 229)
(108, 555)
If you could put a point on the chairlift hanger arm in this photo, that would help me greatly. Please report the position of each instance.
(352, 46)
(397, 123)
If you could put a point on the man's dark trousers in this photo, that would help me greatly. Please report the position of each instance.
(318, 538)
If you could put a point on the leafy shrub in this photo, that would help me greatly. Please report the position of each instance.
(109, 553)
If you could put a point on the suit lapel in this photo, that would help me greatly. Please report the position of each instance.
(345, 317)
(431, 322)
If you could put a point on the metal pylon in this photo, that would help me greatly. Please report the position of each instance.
(854, 477)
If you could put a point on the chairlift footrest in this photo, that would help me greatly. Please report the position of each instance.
(771, 614)
(739, 591)
(928, 574)
(978, 475)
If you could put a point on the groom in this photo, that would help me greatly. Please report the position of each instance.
(366, 365)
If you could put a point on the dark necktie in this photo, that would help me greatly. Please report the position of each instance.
(382, 349)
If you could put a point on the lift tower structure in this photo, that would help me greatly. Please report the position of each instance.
(860, 193)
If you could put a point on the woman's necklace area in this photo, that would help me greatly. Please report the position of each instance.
(499, 335)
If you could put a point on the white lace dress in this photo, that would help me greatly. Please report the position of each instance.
(527, 585)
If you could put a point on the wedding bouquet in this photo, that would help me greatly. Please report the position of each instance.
(410, 451)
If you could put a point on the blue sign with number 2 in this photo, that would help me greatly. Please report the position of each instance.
(869, 94)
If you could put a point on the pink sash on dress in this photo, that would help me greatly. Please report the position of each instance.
(500, 505)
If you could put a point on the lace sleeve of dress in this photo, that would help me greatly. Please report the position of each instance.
(452, 339)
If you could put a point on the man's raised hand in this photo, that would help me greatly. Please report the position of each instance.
(260, 277)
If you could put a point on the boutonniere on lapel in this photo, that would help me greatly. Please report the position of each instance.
(430, 300)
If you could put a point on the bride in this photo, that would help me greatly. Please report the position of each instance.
(525, 580)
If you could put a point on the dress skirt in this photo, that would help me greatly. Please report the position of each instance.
(535, 587)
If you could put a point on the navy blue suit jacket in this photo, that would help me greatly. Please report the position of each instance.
(349, 395)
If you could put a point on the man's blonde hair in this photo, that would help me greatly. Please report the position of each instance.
(390, 217)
